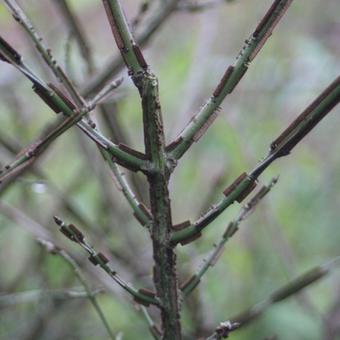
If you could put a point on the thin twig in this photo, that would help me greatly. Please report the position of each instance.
(286, 291)
(232, 228)
(282, 146)
(75, 235)
(53, 249)
(78, 32)
(141, 213)
(125, 42)
(196, 6)
(156, 333)
(59, 103)
(38, 294)
(114, 66)
(22, 19)
(205, 117)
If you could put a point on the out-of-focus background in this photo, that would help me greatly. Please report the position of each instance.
(295, 228)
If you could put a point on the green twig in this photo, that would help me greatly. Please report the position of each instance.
(45, 52)
(38, 294)
(232, 228)
(141, 213)
(78, 32)
(156, 333)
(75, 235)
(53, 249)
(205, 117)
(59, 103)
(282, 146)
(287, 291)
(114, 66)
(128, 48)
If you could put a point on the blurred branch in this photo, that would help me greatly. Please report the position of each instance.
(223, 330)
(119, 135)
(205, 117)
(197, 6)
(282, 146)
(286, 291)
(144, 7)
(156, 333)
(78, 32)
(26, 222)
(53, 249)
(38, 294)
(66, 203)
(232, 228)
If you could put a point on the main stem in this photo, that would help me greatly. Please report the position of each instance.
(165, 277)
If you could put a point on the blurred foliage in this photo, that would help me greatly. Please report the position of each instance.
(294, 229)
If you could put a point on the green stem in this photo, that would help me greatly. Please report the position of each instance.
(282, 146)
(91, 296)
(78, 32)
(60, 104)
(165, 276)
(287, 291)
(140, 212)
(53, 249)
(97, 258)
(113, 67)
(205, 117)
(129, 50)
(46, 54)
(212, 258)
(152, 326)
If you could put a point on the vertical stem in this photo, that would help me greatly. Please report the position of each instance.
(165, 277)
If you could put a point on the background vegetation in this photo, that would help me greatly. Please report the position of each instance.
(294, 229)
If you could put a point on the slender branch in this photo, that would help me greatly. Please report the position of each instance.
(282, 146)
(103, 93)
(37, 294)
(113, 67)
(196, 6)
(144, 7)
(65, 201)
(232, 228)
(22, 19)
(156, 333)
(59, 103)
(75, 235)
(205, 117)
(286, 291)
(141, 213)
(129, 50)
(53, 249)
